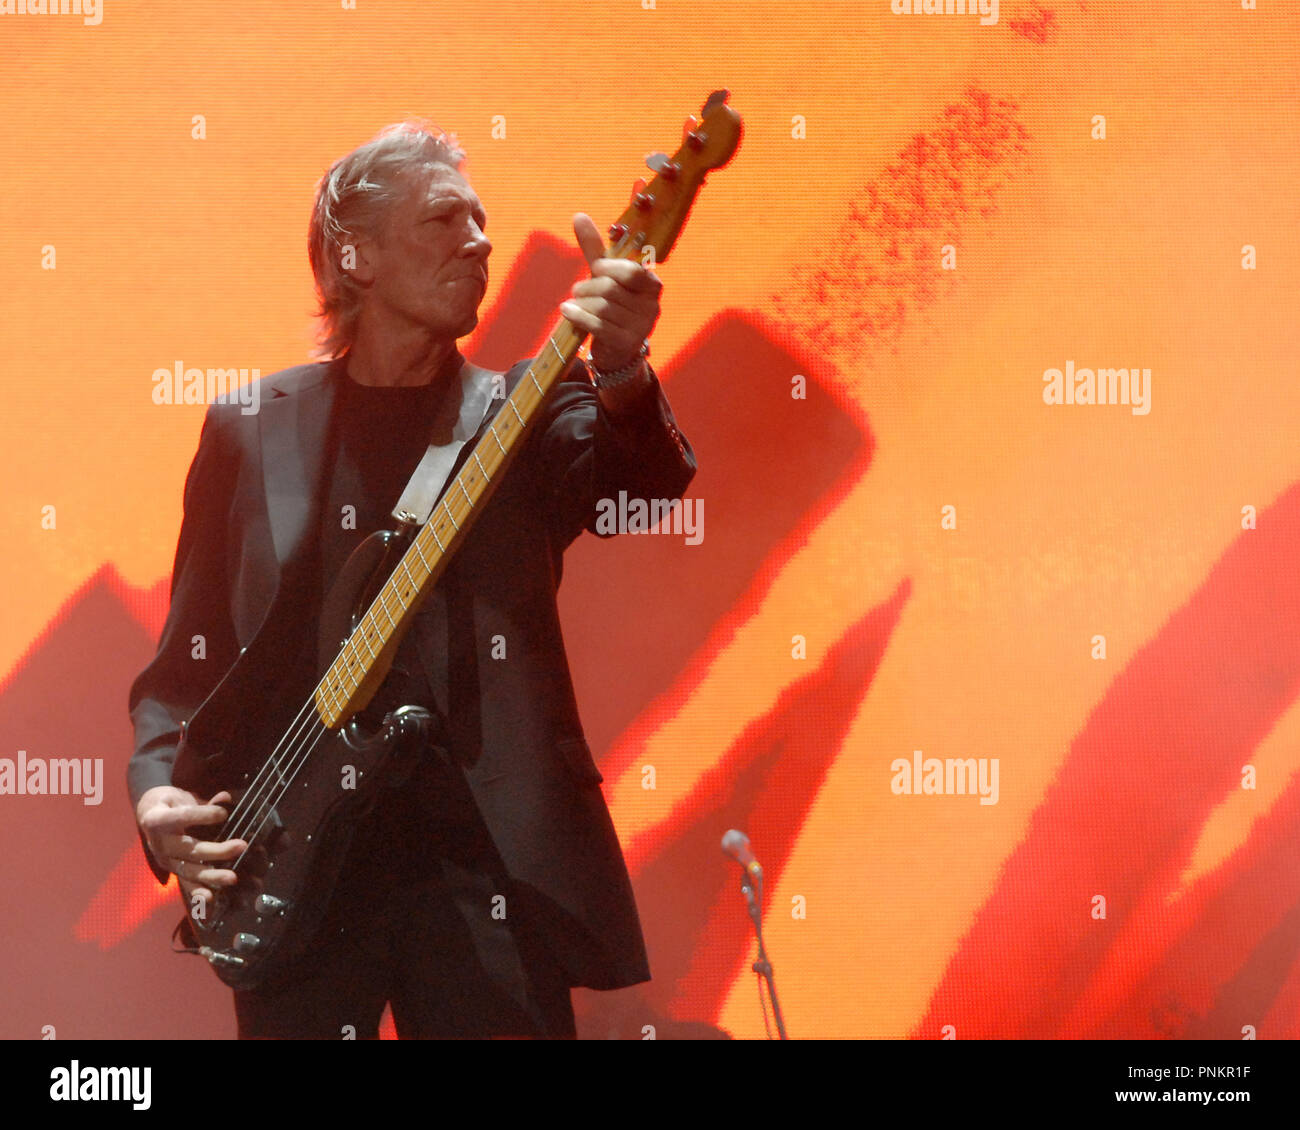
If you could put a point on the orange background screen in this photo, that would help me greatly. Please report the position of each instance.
(922, 219)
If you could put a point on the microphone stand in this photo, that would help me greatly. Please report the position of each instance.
(762, 966)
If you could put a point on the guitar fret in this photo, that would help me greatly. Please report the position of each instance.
(406, 569)
(350, 668)
(335, 695)
(352, 655)
(348, 659)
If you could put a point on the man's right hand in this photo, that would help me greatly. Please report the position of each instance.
(164, 812)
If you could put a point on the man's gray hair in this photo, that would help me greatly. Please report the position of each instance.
(350, 203)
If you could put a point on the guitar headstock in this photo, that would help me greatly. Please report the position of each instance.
(658, 210)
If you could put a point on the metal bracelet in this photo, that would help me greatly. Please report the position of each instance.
(622, 376)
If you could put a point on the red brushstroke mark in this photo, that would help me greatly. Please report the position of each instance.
(770, 469)
(147, 606)
(124, 901)
(1162, 749)
(1039, 26)
(882, 269)
(697, 930)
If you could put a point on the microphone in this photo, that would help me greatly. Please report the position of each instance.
(736, 845)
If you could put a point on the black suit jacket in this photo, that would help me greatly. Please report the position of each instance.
(252, 504)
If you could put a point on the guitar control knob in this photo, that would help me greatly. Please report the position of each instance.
(269, 904)
(246, 943)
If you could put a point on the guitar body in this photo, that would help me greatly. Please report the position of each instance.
(298, 812)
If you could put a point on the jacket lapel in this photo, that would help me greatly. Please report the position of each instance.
(294, 429)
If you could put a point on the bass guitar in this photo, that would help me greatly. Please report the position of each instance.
(280, 754)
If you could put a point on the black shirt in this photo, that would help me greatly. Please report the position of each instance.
(377, 437)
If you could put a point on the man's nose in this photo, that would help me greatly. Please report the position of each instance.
(478, 243)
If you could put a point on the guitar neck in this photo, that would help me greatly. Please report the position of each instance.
(647, 230)
(364, 659)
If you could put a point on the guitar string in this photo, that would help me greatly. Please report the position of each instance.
(263, 805)
(253, 803)
(300, 756)
(273, 767)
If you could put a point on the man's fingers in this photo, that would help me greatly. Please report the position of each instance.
(627, 271)
(192, 891)
(161, 821)
(188, 856)
(202, 873)
(619, 304)
(187, 847)
(589, 241)
(629, 274)
(583, 319)
(204, 814)
(610, 338)
(163, 817)
(609, 330)
(612, 315)
(612, 291)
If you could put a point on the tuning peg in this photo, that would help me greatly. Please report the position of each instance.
(692, 135)
(640, 198)
(660, 163)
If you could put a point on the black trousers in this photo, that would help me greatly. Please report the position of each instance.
(422, 919)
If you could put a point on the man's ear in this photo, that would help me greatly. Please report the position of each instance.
(362, 263)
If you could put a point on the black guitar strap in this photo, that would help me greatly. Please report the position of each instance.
(426, 485)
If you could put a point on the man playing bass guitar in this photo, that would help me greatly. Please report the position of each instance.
(486, 881)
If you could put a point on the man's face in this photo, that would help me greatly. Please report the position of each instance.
(427, 265)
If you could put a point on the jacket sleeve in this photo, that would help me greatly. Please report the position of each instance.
(586, 454)
(183, 671)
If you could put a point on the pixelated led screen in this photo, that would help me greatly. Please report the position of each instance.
(985, 340)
